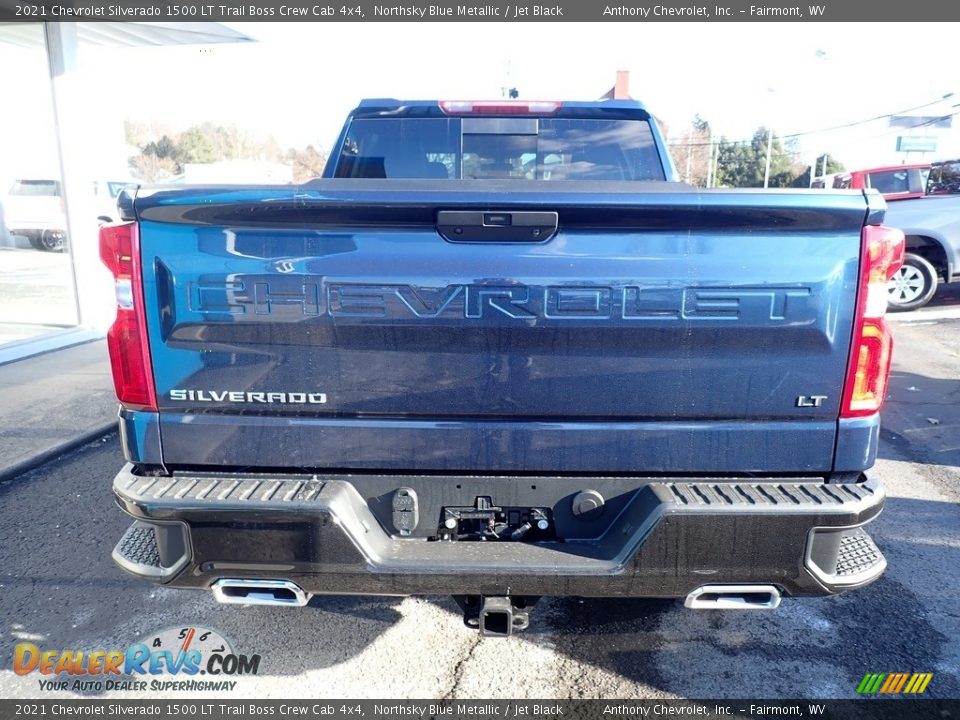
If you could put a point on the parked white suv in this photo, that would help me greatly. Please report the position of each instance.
(35, 210)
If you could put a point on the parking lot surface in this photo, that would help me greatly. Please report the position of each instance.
(35, 289)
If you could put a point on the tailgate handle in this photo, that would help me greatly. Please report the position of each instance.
(498, 226)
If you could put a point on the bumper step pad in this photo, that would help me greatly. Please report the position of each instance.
(146, 550)
(858, 554)
(844, 557)
(138, 546)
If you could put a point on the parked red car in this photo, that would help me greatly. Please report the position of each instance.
(896, 182)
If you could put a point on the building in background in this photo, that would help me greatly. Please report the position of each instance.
(56, 128)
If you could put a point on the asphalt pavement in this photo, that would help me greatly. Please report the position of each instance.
(53, 402)
(59, 589)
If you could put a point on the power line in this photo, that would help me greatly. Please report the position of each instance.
(873, 119)
(892, 131)
(833, 127)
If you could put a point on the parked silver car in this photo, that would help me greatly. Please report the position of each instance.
(932, 227)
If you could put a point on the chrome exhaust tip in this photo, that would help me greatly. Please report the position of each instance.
(733, 597)
(237, 591)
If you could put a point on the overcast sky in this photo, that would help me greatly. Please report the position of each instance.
(299, 80)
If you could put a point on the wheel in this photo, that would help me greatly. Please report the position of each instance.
(913, 285)
(53, 240)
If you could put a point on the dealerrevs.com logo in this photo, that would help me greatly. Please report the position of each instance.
(185, 653)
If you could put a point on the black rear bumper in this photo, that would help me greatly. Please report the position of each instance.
(659, 537)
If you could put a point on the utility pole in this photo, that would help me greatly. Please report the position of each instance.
(819, 54)
(714, 161)
(766, 171)
(710, 160)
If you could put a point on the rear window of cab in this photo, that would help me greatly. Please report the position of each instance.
(502, 148)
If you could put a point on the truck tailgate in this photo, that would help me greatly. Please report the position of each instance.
(334, 327)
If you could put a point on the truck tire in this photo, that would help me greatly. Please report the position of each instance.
(913, 285)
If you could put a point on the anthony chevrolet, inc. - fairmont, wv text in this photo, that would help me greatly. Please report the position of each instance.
(708, 11)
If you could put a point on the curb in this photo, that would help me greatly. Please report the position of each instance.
(31, 463)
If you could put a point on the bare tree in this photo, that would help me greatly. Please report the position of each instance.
(692, 154)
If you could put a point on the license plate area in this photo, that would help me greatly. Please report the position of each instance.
(483, 521)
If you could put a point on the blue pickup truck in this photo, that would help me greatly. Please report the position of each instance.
(498, 352)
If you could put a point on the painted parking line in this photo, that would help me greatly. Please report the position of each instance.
(950, 313)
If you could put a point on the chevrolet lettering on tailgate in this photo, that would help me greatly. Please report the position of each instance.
(260, 296)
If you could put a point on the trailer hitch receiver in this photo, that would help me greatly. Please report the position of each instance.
(496, 616)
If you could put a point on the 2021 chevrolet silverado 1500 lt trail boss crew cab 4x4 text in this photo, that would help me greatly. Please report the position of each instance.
(497, 352)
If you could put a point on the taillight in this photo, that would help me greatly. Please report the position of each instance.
(499, 107)
(866, 383)
(127, 337)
